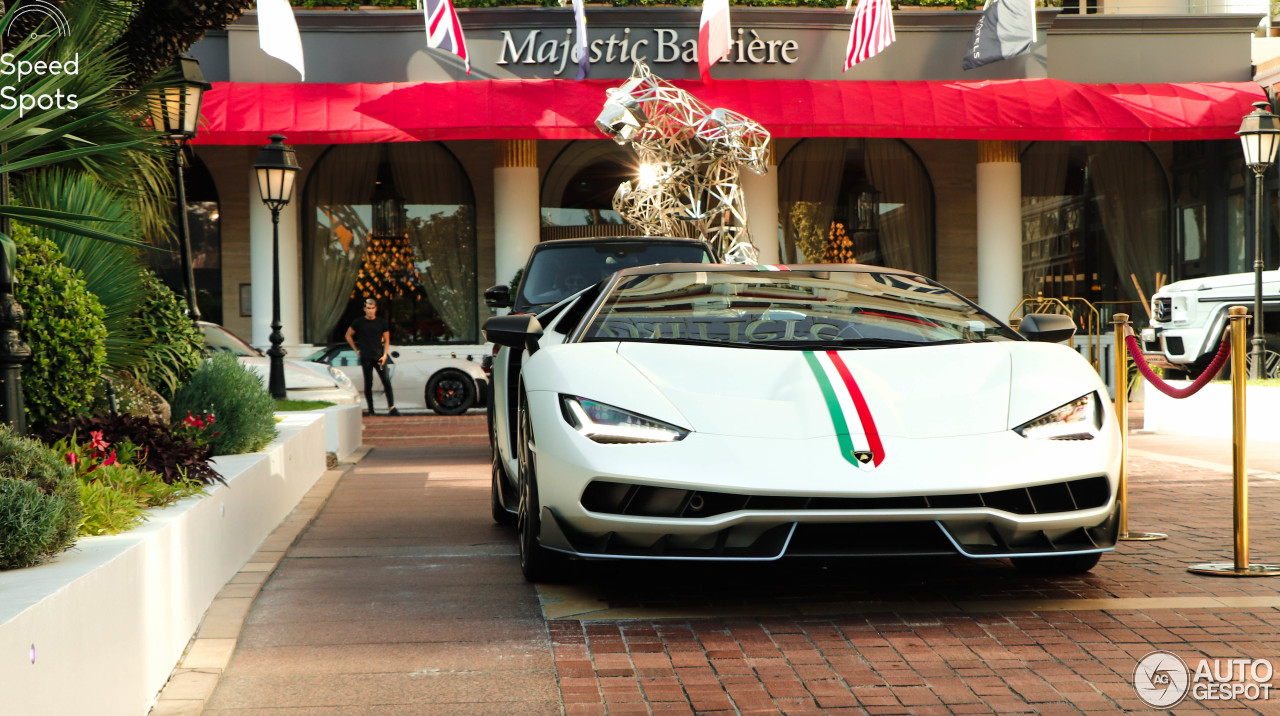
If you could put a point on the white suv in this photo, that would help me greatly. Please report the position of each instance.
(1188, 318)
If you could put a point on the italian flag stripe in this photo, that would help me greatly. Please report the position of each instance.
(864, 413)
(771, 267)
(833, 406)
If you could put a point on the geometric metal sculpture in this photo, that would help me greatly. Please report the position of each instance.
(690, 163)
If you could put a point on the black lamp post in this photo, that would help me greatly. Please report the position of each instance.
(1260, 135)
(276, 167)
(175, 113)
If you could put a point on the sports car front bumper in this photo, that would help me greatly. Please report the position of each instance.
(987, 495)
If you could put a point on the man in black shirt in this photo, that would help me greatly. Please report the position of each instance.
(370, 338)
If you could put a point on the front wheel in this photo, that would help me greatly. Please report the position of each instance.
(1057, 565)
(538, 563)
(450, 392)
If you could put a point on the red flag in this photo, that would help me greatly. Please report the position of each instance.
(714, 36)
(443, 29)
(872, 31)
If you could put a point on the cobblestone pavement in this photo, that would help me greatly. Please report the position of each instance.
(887, 636)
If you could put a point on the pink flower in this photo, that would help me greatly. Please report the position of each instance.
(71, 459)
(111, 460)
(98, 444)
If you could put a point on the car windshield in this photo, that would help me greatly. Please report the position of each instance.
(796, 309)
(219, 339)
(557, 272)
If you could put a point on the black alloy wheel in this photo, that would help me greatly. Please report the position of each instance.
(1057, 565)
(538, 563)
(450, 392)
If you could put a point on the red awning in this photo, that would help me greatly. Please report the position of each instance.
(1026, 109)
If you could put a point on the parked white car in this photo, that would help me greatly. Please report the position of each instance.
(302, 380)
(1188, 318)
(706, 412)
(421, 380)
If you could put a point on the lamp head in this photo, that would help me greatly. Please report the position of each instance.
(277, 167)
(1260, 136)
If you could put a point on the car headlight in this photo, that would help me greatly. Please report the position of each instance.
(607, 424)
(1081, 419)
(339, 376)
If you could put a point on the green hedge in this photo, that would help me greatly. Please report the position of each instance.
(177, 345)
(64, 329)
(243, 410)
(39, 502)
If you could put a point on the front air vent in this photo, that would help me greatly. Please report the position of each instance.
(619, 498)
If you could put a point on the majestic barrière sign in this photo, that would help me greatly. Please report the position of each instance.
(653, 45)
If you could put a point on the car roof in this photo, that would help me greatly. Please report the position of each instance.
(606, 240)
(716, 268)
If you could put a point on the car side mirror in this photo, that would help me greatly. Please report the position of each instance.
(520, 331)
(1047, 327)
(498, 296)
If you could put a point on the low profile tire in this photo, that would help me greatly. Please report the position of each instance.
(500, 514)
(1059, 565)
(450, 392)
(538, 563)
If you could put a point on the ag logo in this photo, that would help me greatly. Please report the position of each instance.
(862, 456)
(1161, 679)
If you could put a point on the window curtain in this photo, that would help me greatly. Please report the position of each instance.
(338, 193)
(906, 205)
(809, 182)
(442, 231)
(1133, 202)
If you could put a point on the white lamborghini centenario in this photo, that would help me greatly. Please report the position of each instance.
(696, 412)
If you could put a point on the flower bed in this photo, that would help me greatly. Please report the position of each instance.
(99, 628)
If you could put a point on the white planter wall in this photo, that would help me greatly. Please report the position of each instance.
(109, 619)
(1208, 412)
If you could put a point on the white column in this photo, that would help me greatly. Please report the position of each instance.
(516, 205)
(999, 197)
(260, 271)
(760, 194)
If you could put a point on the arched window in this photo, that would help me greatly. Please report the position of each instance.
(205, 226)
(1095, 217)
(857, 200)
(394, 222)
(577, 191)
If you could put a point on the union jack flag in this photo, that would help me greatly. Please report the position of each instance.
(443, 29)
(872, 31)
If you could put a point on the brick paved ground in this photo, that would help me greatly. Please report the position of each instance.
(908, 636)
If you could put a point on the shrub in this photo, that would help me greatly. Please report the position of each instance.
(114, 497)
(235, 395)
(39, 502)
(64, 329)
(175, 458)
(178, 346)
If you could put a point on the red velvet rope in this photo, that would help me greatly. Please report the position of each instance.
(1224, 350)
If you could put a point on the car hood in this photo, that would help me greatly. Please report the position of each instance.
(298, 375)
(925, 392)
(1231, 280)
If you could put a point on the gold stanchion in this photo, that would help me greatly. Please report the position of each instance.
(1121, 322)
(1239, 466)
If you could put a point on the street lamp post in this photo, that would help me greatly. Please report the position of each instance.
(175, 113)
(1259, 135)
(276, 168)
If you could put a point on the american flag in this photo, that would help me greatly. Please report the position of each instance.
(872, 31)
(443, 29)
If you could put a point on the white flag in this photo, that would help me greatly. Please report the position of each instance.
(714, 36)
(278, 33)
